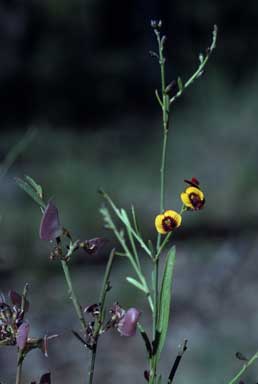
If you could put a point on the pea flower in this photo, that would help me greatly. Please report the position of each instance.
(167, 221)
(125, 321)
(128, 323)
(193, 197)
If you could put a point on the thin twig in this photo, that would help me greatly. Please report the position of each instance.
(20, 356)
(244, 368)
(175, 366)
(99, 322)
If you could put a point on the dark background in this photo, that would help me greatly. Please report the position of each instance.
(77, 93)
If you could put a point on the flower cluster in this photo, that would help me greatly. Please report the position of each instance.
(14, 329)
(51, 230)
(192, 199)
(124, 321)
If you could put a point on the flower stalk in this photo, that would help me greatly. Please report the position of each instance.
(20, 356)
(97, 329)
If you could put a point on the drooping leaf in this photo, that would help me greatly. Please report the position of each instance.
(165, 299)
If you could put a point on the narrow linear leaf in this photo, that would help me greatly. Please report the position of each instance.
(165, 298)
(180, 84)
(34, 185)
(136, 283)
(30, 191)
(136, 227)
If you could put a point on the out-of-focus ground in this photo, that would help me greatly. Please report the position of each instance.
(97, 124)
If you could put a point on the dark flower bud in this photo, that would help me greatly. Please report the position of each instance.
(128, 323)
(45, 379)
(50, 227)
(147, 375)
(92, 246)
(92, 309)
(22, 335)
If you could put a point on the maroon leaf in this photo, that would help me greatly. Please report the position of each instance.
(50, 227)
(22, 335)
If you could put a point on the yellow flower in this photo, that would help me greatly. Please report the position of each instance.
(167, 221)
(193, 198)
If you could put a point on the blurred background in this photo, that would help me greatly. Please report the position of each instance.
(78, 112)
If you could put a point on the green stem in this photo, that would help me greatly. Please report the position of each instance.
(200, 68)
(92, 361)
(20, 357)
(156, 298)
(244, 368)
(165, 119)
(102, 299)
(72, 295)
(19, 369)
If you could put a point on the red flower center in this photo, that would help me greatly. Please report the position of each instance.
(196, 201)
(169, 223)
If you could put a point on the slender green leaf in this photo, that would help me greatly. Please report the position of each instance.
(165, 298)
(136, 283)
(30, 191)
(136, 227)
(35, 186)
(180, 84)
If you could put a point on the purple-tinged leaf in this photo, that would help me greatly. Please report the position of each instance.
(16, 300)
(50, 227)
(128, 323)
(45, 379)
(22, 335)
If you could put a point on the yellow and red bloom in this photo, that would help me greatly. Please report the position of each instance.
(193, 197)
(167, 221)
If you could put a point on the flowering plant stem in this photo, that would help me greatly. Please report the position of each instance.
(159, 296)
(72, 294)
(99, 322)
(20, 356)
